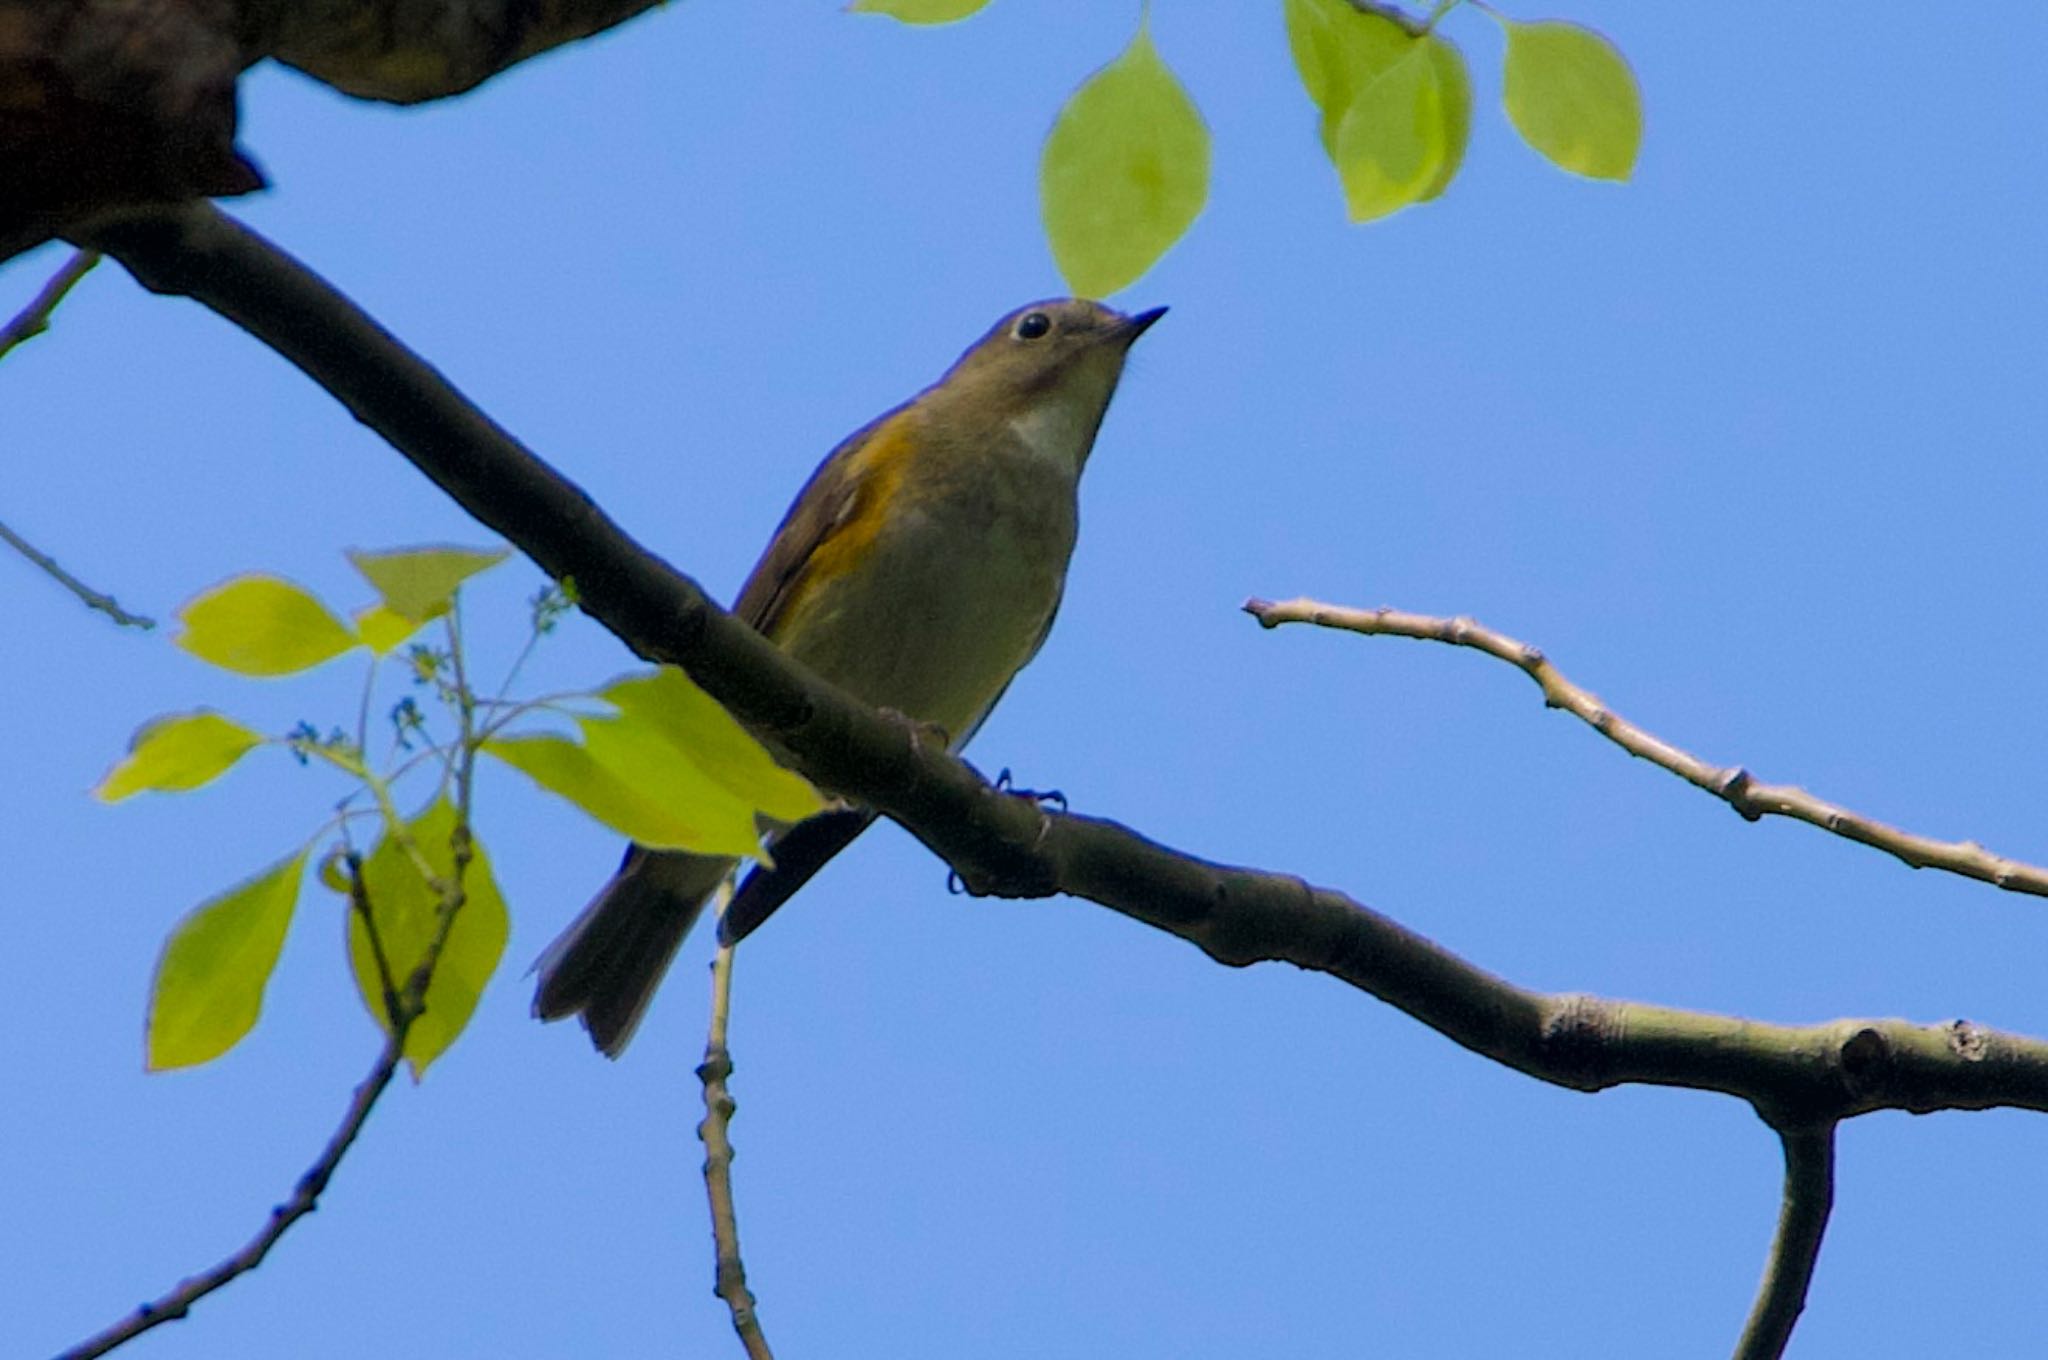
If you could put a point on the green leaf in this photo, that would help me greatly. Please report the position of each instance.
(1395, 103)
(635, 788)
(1573, 98)
(1124, 173)
(408, 911)
(261, 625)
(209, 982)
(383, 629)
(418, 583)
(918, 11)
(1338, 50)
(1390, 142)
(177, 751)
(1454, 89)
(670, 708)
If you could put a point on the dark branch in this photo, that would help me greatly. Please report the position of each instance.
(304, 1199)
(92, 599)
(34, 319)
(407, 51)
(1011, 846)
(402, 1010)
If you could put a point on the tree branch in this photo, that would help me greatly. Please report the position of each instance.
(1009, 846)
(1802, 1219)
(34, 319)
(407, 51)
(304, 1199)
(92, 599)
(403, 1010)
(1795, 1077)
(1730, 783)
(716, 1134)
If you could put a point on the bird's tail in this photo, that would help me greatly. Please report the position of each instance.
(606, 965)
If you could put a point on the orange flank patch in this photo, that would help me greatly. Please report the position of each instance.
(876, 471)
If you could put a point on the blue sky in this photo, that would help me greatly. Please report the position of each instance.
(1752, 447)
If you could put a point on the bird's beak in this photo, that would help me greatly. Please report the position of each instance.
(1135, 326)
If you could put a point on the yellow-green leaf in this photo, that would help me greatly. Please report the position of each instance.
(635, 788)
(1395, 103)
(261, 625)
(1124, 173)
(918, 11)
(1573, 98)
(419, 582)
(1454, 91)
(177, 751)
(671, 709)
(1391, 147)
(408, 914)
(383, 629)
(210, 979)
(1338, 50)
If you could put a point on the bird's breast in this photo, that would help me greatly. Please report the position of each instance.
(950, 598)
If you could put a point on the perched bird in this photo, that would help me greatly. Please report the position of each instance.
(919, 568)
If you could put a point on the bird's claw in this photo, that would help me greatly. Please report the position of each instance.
(1050, 798)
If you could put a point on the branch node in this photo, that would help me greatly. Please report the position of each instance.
(1866, 1059)
(1970, 1042)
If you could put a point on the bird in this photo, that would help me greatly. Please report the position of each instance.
(919, 568)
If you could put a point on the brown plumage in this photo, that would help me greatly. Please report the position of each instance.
(919, 568)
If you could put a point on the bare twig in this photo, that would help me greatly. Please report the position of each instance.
(715, 1132)
(34, 319)
(1730, 783)
(93, 599)
(305, 1197)
(359, 903)
(1802, 1219)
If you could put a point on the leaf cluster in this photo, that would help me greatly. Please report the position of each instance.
(1125, 169)
(657, 760)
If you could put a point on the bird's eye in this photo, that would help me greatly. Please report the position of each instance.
(1033, 325)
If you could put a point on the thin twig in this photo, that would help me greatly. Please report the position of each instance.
(715, 1132)
(1732, 784)
(93, 599)
(34, 319)
(304, 1199)
(1802, 1220)
(359, 902)
(403, 1008)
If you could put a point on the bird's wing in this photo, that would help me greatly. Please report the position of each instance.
(832, 520)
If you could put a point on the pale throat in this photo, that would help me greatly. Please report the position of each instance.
(1060, 426)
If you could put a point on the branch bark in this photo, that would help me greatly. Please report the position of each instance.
(1802, 1219)
(715, 1132)
(90, 598)
(305, 1198)
(410, 51)
(34, 319)
(1732, 784)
